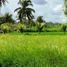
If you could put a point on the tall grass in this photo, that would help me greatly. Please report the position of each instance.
(33, 51)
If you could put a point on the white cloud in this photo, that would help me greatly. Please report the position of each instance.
(52, 10)
(39, 2)
(58, 8)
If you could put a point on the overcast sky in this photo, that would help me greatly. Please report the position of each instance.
(51, 10)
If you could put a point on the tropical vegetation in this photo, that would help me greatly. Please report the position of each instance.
(31, 42)
(26, 22)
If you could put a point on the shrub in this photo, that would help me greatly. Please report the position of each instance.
(5, 27)
(64, 28)
(21, 27)
(13, 27)
(40, 26)
(52, 29)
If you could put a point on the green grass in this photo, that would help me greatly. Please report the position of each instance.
(38, 33)
(25, 50)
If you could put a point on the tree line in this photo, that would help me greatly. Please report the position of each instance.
(26, 19)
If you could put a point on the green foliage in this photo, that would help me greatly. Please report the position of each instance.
(34, 27)
(13, 27)
(8, 18)
(24, 11)
(39, 19)
(64, 28)
(21, 27)
(53, 28)
(2, 20)
(40, 26)
(5, 27)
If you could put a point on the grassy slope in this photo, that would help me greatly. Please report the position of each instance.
(33, 51)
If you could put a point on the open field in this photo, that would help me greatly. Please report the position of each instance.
(19, 50)
(38, 33)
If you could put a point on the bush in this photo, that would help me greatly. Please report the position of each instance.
(13, 27)
(52, 29)
(40, 26)
(5, 27)
(64, 28)
(21, 27)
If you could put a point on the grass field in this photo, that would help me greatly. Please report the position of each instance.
(38, 33)
(20, 50)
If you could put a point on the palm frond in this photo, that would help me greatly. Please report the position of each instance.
(30, 9)
(17, 9)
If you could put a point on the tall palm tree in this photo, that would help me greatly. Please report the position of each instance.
(40, 23)
(2, 2)
(24, 11)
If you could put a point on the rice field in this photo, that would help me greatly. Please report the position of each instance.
(33, 50)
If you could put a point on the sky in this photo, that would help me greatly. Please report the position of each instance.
(51, 10)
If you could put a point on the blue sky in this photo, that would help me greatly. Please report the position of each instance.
(51, 10)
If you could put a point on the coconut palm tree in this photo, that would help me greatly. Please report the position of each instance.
(40, 19)
(24, 11)
(8, 18)
(40, 23)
